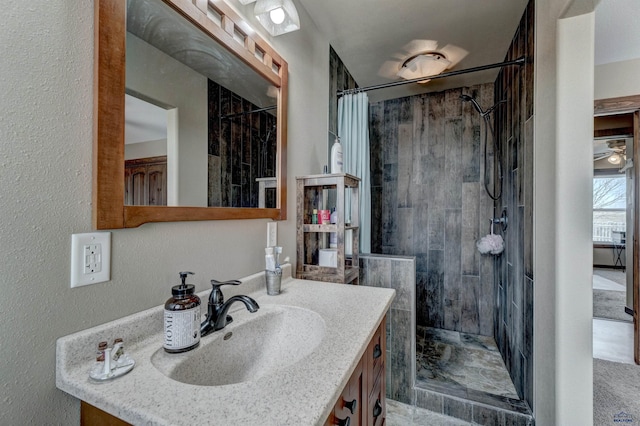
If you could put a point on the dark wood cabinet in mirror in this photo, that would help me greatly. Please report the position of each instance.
(244, 93)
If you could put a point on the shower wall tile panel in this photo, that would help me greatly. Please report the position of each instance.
(236, 148)
(339, 79)
(488, 411)
(427, 191)
(513, 321)
(399, 273)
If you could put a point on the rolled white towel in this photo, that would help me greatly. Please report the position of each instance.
(493, 244)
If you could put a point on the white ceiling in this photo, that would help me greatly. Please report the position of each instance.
(371, 36)
(617, 32)
(366, 34)
(144, 122)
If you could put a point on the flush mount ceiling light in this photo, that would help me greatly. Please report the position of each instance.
(394, 68)
(424, 64)
(277, 16)
(614, 159)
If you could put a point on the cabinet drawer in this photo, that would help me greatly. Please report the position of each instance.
(377, 406)
(376, 353)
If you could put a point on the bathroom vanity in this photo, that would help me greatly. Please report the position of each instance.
(303, 358)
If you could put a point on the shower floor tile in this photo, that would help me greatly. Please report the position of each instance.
(449, 359)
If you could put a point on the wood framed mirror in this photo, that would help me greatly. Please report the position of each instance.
(218, 24)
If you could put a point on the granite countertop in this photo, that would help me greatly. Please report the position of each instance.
(301, 394)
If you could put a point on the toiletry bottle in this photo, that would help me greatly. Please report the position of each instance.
(314, 217)
(182, 318)
(120, 351)
(333, 236)
(336, 157)
(100, 354)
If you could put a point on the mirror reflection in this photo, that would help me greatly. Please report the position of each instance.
(200, 124)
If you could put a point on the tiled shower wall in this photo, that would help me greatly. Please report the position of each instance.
(513, 319)
(241, 149)
(399, 273)
(339, 79)
(428, 201)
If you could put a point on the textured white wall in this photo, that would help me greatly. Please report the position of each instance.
(617, 79)
(562, 205)
(45, 196)
(574, 221)
(145, 149)
(158, 76)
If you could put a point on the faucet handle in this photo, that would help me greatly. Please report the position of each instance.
(216, 297)
(218, 284)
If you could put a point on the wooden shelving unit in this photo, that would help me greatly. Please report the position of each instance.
(323, 192)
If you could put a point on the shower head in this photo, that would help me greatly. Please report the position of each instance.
(467, 98)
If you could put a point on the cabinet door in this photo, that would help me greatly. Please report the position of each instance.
(157, 185)
(145, 182)
(376, 407)
(376, 378)
(349, 408)
(136, 193)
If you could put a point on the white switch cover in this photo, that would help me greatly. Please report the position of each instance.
(272, 234)
(90, 258)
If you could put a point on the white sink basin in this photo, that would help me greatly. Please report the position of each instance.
(252, 346)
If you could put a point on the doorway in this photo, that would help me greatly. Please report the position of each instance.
(616, 188)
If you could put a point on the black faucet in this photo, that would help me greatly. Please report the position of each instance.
(217, 317)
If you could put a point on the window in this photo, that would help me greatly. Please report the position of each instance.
(609, 206)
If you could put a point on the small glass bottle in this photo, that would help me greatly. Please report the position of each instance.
(182, 318)
(100, 354)
(116, 356)
(314, 217)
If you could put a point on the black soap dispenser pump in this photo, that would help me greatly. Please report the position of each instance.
(182, 318)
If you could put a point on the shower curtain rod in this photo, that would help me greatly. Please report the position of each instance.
(519, 61)
(248, 112)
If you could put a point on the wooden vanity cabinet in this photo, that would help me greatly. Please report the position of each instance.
(375, 356)
(367, 387)
(362, 402)
(93, 416)
(349, 405)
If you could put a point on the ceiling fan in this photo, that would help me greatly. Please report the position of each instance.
(614, 150)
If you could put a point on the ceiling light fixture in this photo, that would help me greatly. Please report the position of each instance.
(424, 64)
(246, 1)
(614, 158)
(277, 16)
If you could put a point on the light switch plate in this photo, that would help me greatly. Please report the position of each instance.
(90, 258)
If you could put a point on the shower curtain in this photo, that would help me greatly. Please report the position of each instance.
(353, 129)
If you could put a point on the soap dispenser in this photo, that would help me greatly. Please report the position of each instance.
(182, 318)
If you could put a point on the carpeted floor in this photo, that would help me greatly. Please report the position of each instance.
(609, 294)
(615, 393)
(610, 305)
(615, 275)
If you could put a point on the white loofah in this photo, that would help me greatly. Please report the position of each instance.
(490, 244)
